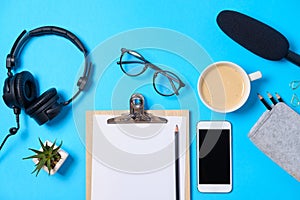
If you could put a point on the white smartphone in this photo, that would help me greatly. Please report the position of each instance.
(214, 155)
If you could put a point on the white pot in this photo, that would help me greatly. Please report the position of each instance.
(64, 155)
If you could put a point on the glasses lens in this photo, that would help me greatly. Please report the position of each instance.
(166, 83)
(131, 65)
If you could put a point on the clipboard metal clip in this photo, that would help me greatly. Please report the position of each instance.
(137, 113)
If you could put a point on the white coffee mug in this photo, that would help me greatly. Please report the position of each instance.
(225, 87)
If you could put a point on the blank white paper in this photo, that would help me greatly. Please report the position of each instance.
(136, 161)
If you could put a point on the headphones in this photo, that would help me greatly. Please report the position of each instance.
(20, 90)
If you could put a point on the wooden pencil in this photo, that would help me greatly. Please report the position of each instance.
(264, 101)
(177, 170)
(278, 97)
(271, 98)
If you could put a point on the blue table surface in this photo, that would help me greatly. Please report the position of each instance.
(105, 27)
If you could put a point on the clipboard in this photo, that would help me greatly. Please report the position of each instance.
(90, 158)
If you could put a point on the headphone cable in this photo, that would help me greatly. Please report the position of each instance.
(13, 130)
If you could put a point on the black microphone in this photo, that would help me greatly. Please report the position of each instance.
(13, 130)
(256, 36)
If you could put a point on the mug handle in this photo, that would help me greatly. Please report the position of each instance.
(255, 75)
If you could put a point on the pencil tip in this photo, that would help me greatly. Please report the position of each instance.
(259, 96)
(176, 129)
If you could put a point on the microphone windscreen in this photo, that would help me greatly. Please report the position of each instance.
(254, 35)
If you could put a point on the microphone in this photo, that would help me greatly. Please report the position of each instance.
(257, 37)
(13, 130)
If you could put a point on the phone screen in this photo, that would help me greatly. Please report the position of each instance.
(214, 156)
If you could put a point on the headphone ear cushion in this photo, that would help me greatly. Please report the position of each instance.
(8, 92)
(45, 107)
(25, 89)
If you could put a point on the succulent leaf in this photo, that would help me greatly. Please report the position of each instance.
(57, 148)
(52, 146)
(36, 151)
(38, 167)
(49, 166)
(34, 156)
(42, 145)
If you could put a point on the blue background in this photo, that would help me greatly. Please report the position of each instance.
(55, 63)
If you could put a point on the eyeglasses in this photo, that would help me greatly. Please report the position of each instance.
(165, 83)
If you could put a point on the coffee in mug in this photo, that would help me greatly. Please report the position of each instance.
(224, 86)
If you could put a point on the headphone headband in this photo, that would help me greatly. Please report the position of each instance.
(24, 37)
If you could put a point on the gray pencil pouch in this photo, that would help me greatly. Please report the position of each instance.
(277, 134)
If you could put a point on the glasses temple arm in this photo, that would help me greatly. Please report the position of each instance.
(130, 62)
(172, 78)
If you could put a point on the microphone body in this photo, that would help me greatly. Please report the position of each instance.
(257, 37)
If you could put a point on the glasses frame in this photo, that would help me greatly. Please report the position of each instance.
(147, 65)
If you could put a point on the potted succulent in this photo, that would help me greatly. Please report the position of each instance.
(49, 157)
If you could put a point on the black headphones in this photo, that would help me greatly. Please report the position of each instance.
(20, 90)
